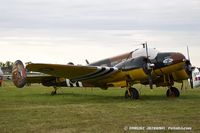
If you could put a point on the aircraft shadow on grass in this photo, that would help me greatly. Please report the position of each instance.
(94, 98)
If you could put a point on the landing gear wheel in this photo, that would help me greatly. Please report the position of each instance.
(134, 94)
(173, 92)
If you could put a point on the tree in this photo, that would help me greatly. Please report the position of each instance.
(8, 64)
(1, 64)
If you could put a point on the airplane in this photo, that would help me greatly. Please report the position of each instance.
(196, 77)
(145, 66)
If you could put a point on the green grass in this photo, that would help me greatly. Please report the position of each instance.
(33, 109)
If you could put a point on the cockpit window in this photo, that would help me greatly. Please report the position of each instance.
(152, 52)
(132, 63)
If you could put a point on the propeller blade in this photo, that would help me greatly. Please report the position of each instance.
(188, 53)
(150, 81)
(191, 82)
(189, 67)
(149, 67)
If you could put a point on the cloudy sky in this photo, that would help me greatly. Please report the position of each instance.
(60, 31)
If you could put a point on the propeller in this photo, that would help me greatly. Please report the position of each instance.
(149, 66)
(189, 68)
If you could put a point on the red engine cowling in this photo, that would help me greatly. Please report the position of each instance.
(19, 74)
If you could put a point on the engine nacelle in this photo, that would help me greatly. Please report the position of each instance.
(19, 74)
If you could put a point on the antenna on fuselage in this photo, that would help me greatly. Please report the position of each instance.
(144, 44)
(87, 61)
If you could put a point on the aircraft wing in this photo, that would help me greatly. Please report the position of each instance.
(74, 73)
(90, 76)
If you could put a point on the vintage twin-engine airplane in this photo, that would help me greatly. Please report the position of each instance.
(144, 66)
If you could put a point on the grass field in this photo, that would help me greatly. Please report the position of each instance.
(33, 109)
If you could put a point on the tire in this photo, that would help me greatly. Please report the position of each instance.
(173, 92)
(134, 93)
(168, 93)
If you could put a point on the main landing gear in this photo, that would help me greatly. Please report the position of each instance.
(173, 92)
(132, 93)
(54, 92)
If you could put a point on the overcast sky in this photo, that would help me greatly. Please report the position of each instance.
(60, 31)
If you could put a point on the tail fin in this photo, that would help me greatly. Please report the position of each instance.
(196, 77)
(19, 74)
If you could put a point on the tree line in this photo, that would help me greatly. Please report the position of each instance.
(6, 67)
(6, 64)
